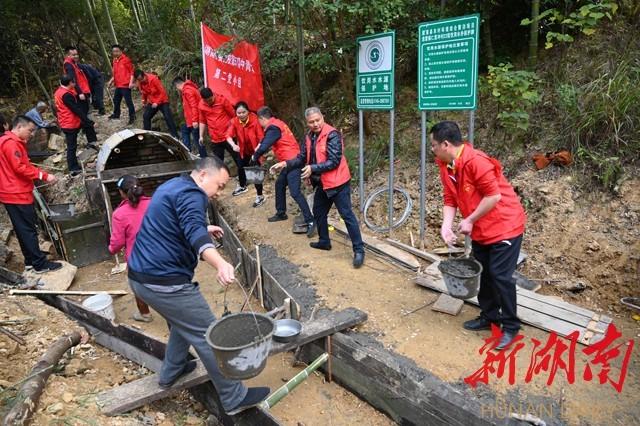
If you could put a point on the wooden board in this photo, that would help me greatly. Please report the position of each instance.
(447, 304)
(70, 292)
(148, 170)
(538, 310)
(380, 248)
(143, 391)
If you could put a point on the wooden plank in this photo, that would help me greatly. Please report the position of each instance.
(148, 170)
(416, 252)
(143, 391)
(447, 304)
(69, 292)
(394, 385)
(380, 248)
(556, 302)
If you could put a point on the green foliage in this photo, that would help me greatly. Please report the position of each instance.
(515, 93)
(585, 20)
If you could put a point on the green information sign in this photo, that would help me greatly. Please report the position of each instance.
(448, 63)
(374, 80)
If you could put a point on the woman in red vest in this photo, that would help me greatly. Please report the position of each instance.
(325, 165)
(247, 132)
(278, 136)
(492, 215)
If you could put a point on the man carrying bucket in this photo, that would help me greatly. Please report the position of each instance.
(492, 214)
(173, 235)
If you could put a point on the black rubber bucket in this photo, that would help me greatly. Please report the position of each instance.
(461, 276)
(240, 345)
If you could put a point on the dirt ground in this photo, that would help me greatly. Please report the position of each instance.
(427, 337)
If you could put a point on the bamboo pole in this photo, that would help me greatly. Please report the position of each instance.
(103, 48)
(105, 6)
(135, 14)
(276, 396)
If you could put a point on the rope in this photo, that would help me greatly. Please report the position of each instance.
(403, 218)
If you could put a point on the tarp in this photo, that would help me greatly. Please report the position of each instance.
(232, 70)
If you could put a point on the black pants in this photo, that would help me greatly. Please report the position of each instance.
(497, 296)
(242, 177)
(23, 219)
(291, 178)
(219, 149)
(97, 95)
(117, 100)
(71, 137)
(150, 112)
(322, 203)
(89, 130)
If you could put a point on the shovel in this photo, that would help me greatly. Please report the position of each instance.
(120, 267)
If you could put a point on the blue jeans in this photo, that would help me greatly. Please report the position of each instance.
(190, 134)
(342, 199)
(291, 178)
(189, 316)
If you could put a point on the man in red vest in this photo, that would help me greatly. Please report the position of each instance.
(325, 165)
(16, 192)
(278, 136)
(491, 214)
(154, 99)
(72, 68)
(215, 113)
(71, 118)
(190, 100)
(123, 81)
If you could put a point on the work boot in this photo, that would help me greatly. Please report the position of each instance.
(278, 217)
(311, 229)
(358, 259)
(507, 338)
(254, 397)
(319, 246)
(188, 368)
(477, 324)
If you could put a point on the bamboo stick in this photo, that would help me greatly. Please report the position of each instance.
(276, 396)
(69, 292)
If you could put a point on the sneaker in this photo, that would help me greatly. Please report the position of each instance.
(259, 201)
(239, 190)
(278, 217)
(188, 368)
(48, 267)
(93, 146)
(311, 229)
(131, 121)
(142, 317)
(101, 112)
(28, 268)
(358, 259)
(113, 117)
(319, 246)
(254, 397)
(75, 172)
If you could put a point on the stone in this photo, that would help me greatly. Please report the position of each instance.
(193, 420)
(67, 397)
(76, 367)
(56, 142)
(55, 408)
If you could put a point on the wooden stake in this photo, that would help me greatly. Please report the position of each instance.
(69, 292)
(327, 348)
(260, 292)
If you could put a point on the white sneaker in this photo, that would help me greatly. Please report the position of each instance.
(259, 201)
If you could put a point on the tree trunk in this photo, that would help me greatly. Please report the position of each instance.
(488, 43)
(533, 34)
(134, 8)
(30, 391)
(304, 102)
(105, 6)
(33, 72)
(103, 49)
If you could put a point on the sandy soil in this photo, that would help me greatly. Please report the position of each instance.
(433, 340)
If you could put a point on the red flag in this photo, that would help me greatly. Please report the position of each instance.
(236, 75)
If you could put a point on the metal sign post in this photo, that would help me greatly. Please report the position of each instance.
(447, 77)
(375, 91)
(361, 159)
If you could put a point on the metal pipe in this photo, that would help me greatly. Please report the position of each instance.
(361, 159)
(391, 171)
(423, 175)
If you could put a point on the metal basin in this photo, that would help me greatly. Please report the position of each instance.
(287, 330)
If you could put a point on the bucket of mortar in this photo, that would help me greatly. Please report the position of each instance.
(461, 276)
(241, 344)
(255, 175)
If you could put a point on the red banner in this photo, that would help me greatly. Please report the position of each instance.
(236, 75)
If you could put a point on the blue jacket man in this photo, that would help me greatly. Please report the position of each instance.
(173, 235)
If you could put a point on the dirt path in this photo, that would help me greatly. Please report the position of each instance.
(435, 341)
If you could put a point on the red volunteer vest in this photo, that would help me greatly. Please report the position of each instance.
(286, 148)
(81, 79)
(339, 175)
(66, 118)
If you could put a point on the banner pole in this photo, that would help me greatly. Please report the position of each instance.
(204, 61)
(361, 159)
(391, 172)
(423, 176)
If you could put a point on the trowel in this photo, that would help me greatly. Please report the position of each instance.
(120, 267)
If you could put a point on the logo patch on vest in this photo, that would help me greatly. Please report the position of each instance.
(468, 187)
